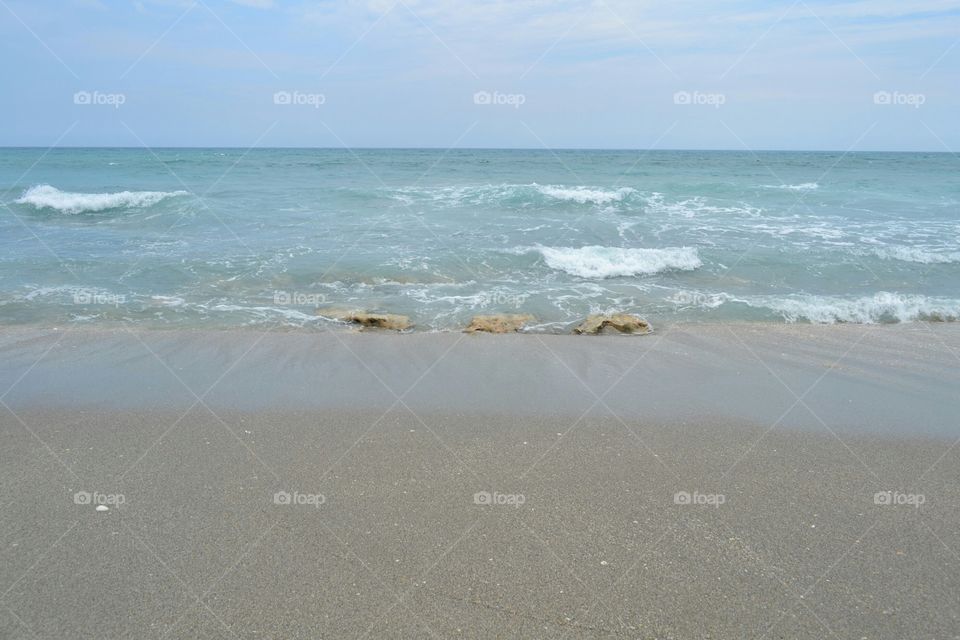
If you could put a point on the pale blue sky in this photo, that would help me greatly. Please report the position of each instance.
(590, 73)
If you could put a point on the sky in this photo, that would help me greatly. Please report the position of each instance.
(612, 74)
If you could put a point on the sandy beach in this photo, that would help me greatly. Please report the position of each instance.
(703, 481)
(404, 319)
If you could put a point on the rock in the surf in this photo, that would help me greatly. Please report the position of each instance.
(622, 322)
(389, 321)
(501, 323)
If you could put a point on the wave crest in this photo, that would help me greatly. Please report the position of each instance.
(584, 195)
(882, 308)
(511, 195)
(45, 196)
(613, 262)
(916, 254)
(806, 186)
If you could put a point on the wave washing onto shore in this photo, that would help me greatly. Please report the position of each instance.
(442, 308)
(45, 196)
(916, 254)
(882, 308)
(441, 236)
(613, 262)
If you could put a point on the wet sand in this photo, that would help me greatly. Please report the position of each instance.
(667, 486)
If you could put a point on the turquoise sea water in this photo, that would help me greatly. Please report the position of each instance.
(228, 237)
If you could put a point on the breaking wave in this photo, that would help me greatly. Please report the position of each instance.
(511, 195)
(584, 195)
(880, 308)
(915, 254)
(806, 186)
(613, 262)
(47, 197)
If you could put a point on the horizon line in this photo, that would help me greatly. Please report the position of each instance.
(448, 149)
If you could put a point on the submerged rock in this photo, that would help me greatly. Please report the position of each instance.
(622, 322)
(501, 323)
(382, 321)
(371, 320)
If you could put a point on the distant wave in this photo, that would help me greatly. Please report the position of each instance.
(583, 195)
(45, 196)
(511, 194)
(915, 254)
(881, 308)
(613, 262)
(805, 186)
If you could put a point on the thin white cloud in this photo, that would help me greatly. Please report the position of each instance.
(257, 4)
(90, 4)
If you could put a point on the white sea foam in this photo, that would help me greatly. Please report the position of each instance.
(697, 206)
(916, 254)
(45, 196)
(805, 186)
(612, 262)
(686, 298)
(583, 195)
(167, 301)
(516, 193)
(267, 314)
(883, 307)
(66, 292)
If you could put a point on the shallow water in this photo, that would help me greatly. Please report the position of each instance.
(226, 238)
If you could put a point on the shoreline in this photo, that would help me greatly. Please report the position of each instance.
(345, 327)
(862, 378)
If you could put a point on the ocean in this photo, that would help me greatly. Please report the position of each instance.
(223, 238)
